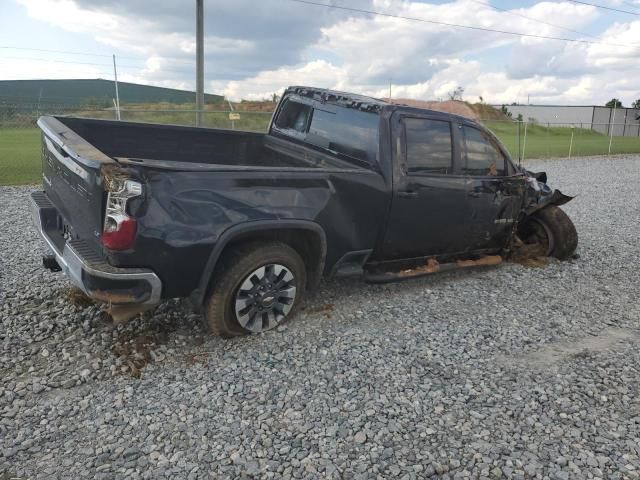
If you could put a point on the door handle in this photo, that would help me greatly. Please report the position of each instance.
(407, 194)
(474, 194)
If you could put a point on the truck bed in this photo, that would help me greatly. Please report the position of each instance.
(172, 146)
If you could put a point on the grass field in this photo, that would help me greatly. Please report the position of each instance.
(20, 147)
(19, 156)
(542, 142)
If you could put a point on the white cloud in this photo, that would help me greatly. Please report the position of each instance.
(318, 73)
(66, 14)
(260, 48)
(628, 34)
(18, 69)
(372, 51)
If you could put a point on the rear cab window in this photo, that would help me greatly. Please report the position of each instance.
(293, 117)
(348, 133)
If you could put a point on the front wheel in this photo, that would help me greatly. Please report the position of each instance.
(553, 229)
(257, 287)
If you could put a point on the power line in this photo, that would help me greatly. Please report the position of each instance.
(634, 5)
(187, 63)
(54, 61)
(456, 25)
(607, 8)
(128, 67)
(121, 67)
(8, 47)
(480, 2)
(69, 52)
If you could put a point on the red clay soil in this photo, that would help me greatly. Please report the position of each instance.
(450, 106)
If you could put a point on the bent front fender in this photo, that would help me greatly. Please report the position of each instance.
(539, 195)
(555, 198)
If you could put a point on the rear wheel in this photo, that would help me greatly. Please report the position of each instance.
(553, 229)
(257, 287)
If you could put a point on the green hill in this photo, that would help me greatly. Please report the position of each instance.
(94, 92)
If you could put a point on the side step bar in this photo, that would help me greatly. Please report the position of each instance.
(432, 266)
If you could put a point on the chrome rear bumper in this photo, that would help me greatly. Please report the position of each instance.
(87, 270)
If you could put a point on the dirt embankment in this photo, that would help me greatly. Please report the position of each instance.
(475, 111)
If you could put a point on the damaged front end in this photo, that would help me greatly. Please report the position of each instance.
(543, 230)
(539, 195)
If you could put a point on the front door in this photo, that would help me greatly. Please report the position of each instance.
(429, 199)
(494, 193)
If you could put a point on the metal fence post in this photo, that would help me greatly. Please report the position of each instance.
(116, 102)
(548, 128)
(524, 141)
(571, 142)
(611, 127)
(519, 151)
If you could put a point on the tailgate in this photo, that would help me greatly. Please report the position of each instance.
(71, 173)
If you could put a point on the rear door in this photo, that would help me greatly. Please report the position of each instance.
(429, 196)
(494, 193)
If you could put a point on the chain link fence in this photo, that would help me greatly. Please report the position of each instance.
(25, 117)
(526, 140)
(20, 138)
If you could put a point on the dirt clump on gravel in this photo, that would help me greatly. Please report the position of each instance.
(531, 255)
(78, 298)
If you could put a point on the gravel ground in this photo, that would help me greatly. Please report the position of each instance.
(509, 372)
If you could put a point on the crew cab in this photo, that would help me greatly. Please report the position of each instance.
(245, 223)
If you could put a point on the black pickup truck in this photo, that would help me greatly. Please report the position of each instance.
(245, 223)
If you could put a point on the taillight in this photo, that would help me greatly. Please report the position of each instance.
(119, 231)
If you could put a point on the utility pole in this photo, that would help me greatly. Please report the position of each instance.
(39, 99)
(199, 61)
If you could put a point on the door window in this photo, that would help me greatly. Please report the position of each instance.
(481, 156)
(429, 148)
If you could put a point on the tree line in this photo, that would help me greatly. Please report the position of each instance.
(614, 102)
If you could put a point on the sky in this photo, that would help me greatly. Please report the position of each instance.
(254, 48)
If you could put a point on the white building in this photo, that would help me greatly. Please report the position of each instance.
(619, 121)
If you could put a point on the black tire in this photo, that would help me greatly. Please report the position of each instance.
(554, 229)
(235, 269)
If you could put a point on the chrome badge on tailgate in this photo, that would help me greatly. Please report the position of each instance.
(65, 169)
(66, 161)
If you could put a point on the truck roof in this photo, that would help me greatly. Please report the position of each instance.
(353, 100)
(362, 102)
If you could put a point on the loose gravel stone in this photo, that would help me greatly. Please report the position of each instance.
(510, 372)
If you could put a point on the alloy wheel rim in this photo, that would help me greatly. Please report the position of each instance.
(265, 297)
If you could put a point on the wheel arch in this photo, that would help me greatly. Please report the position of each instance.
(556, 198)
(306, 237)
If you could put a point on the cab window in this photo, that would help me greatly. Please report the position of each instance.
(428, 146)
(293, 116)
(480, 155)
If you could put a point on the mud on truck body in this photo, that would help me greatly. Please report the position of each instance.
(244, 223)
